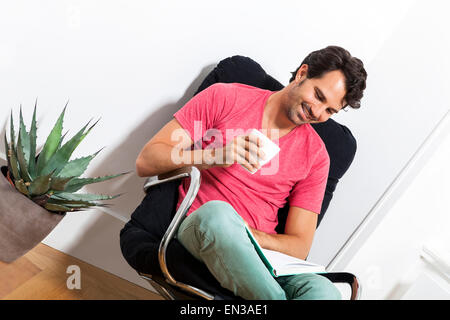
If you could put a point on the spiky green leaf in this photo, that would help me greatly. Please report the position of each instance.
(78, 183)
(57, 207)
(20, 185)
(12, 157)
(25, 138)
(77, 167)
(12, 134)
(5, 141)
(51, 144)
(21, 157)
(83, 196)
(80, 207)
(59, 183)
(61, 157)
(14, 164)
(62, 139)
(41, 185)
(7, 148)
(32, 158)
(73, 204)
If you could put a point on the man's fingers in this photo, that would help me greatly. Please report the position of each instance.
(244, 151)
(242, 161)
(253, 144)
(255, 139)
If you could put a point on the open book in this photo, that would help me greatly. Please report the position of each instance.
(280, 264)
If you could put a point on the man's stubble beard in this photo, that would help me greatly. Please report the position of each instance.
(291, 110)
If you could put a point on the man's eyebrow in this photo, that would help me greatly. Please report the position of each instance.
(323, 98)
(320, 94)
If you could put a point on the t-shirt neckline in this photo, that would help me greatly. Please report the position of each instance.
(269, 93)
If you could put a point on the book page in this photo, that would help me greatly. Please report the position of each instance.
(282, 264)
(279, 260)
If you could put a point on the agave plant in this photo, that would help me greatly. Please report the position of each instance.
(51, 179)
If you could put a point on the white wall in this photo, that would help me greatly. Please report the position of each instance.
(406, 97)
(134, 63)
(390, 264)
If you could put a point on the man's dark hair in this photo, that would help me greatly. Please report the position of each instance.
(336, 58)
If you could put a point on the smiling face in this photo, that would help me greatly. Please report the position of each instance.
(314, 100)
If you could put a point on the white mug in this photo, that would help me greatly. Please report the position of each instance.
(269, 148)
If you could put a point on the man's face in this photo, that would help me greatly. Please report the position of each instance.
(314, 100)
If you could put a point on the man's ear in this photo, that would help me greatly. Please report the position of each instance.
(302, 72)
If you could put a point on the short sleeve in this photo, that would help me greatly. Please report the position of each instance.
(309, 192)
(202, 112)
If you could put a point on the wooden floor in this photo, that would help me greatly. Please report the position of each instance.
(41, 274)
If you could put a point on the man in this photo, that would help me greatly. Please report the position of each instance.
(230, 197)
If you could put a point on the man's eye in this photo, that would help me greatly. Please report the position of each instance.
(329, 111)
(318, 97)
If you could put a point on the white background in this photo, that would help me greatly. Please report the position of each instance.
(134, 63)
(391, 264)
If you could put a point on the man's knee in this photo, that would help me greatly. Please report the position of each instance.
(216, 216)
(325, 289)
(214, 226)
(312, 287)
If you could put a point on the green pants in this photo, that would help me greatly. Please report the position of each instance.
(215, 234)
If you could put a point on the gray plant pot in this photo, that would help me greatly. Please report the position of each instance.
(23, 224)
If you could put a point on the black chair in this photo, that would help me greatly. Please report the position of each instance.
(147, 241)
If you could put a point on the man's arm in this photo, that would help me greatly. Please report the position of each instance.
(157, 156)
(298, 235)
(170, 149)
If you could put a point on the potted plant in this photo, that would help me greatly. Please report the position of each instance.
(37, 190)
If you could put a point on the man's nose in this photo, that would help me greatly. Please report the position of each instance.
(317, 110)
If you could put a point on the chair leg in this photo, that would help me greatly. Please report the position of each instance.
(161, 290)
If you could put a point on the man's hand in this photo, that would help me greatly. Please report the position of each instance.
(157, 155)
(258, 235)
(298, 234)
(244, 149)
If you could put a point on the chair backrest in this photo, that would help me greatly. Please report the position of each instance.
(338, 139)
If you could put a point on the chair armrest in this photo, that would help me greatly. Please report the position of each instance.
(345, 277)
(180, 173)
(186, 172)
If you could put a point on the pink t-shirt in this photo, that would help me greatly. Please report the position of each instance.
(298, 173)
